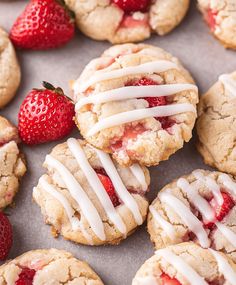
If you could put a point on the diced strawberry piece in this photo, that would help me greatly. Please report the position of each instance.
(26, 277)
(211, 18)
(167, 280)
(129, 6)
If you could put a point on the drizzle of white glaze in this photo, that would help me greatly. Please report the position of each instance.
(137, 171)
(228, 183)
(229, 83)
(227, 233)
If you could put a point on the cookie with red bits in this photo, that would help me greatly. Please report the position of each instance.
(184, 264)
(88, 198)
(136, 102)
(12, 163)
(221, 18)
(47, 266)
(122, 21)
(199, 207)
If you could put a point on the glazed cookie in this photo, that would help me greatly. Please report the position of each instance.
(187, 264)
(9, 70)
(47, 266)
(221, 17)
(199, 207)
(12, 165)
(136, 102)
(121, 21)
(89, 198)
(216, 125)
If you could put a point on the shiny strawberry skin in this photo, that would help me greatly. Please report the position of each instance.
(26, 277)
(167, 280)
(5, 236)
(129, 6)
(45, 116)
(43, 24)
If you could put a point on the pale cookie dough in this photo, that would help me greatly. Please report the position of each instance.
(221, 17)
(104, 20)
(9, 70)
(12, 164)
(48, 266)
(184, 210)
(113, 115)
(75, 203)
(187, 264)
(216, 125)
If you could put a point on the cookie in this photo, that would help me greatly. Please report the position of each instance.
(216, 125)
(47, 266)
(221, 18)
(119, 21)
(9, 70)
(12, 164)
(184, 264)
(199, 207)
(136, 102)
(88, 198)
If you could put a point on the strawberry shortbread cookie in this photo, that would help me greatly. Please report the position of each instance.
(221, 18)
(216, 125)
(12, 165)
(120, 21)
(136, 102)
(199, 207)
(9, 70)
(89, 198)
(187, 264)
(47, 266)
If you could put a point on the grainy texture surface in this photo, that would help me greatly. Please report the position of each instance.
(204, 57)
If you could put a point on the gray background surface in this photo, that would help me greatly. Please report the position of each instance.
(200, 53)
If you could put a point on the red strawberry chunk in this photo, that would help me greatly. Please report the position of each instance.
(5, 236)
(106, 182)
(26, 277)
(211, 18)
(167, 280)
(129, 6)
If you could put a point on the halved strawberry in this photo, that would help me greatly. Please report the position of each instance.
(26, 277)
(167, 280)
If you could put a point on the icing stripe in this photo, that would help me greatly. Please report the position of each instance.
(187, 217)
(96, 184)
(227, 233)
(76, 191)
(148, 67)
(224, 267)
(138, 172)
(134, 92)
(181, 266)
(119, 186)
(139, 114)
(229, 83)
(228, 183)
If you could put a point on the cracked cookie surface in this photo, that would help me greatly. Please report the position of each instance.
(199, 207)
(47, 266)
(221, 17)
(115, 113)
(187, 263)
(216, 124)
(88, 198)
(12, 165)
(9, 70)
(104, 20)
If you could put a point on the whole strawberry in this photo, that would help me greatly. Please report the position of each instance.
(45, 115)
(43, 24)
(5, 236)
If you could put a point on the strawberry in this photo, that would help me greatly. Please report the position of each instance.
(45, 115)
(129, 6)
(43, 24)
(167, 280)
(211, 19)
(5, 236)
(26, 277)
(106, 182)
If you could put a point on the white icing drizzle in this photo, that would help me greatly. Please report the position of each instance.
(139, 114)
(224, 267)
(148, 67)
(165, 225)
(196, 199)
(229, 83)
(119, 186)
(137, 171)
(227, 233)
(96, 184)
(181, 266)
(133, 92)
(186, 216)
(147, 280)
(228, 183)
(77, 192)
